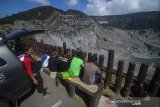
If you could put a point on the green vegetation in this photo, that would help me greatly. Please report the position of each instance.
(40, 13)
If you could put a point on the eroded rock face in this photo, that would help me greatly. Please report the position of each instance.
(80, 31)
(132, 41)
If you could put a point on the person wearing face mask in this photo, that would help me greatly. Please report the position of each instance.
(32, 71)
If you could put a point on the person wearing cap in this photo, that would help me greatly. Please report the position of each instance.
(92, 73)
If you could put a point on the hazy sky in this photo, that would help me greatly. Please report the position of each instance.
(91, 7)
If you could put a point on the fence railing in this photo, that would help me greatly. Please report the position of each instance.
(151, 87)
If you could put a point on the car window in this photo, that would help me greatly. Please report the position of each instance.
(2, 62)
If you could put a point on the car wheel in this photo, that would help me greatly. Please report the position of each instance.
(4, 103)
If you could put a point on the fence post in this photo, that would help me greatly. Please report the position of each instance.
(56, 49)
(89, 56)
(60, 51)
(70, 52)
(129, 79)
(101, 62)
(53, 48)
(119, 76)
(42, 42)
(155, 82)
(96, 56)
(142, 74)
(64, 48)
(73, 53)
(109, 70)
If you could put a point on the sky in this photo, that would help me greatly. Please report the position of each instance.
(90, 7)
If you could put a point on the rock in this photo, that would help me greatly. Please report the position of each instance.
(80, 31)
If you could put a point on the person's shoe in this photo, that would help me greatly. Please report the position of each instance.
(45, 96)
(46, 88)
(48, 93)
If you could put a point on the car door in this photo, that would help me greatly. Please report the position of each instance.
(13, 79)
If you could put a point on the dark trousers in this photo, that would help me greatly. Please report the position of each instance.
(40, 87)
(97, 78)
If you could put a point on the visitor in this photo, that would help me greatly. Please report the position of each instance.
(53, 62)
(64, 63)
(32, 71)
(92, 73)
(76, 65)
(45, 60)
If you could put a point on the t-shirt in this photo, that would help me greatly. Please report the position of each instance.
(75, 67)
(90, 71)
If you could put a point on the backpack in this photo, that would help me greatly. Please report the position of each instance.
(45, 60)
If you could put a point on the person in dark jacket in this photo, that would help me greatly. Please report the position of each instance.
(53, 61)
(64, 63)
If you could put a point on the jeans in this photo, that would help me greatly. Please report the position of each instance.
(97, 78)
(35, 69)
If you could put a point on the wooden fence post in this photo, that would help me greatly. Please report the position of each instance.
(89, 56)
(101, 65)
(155, 82)
(64, 48)
(101, 62)
(109, 70)
(56, 49)
(96, 56)
(70, 52)
(53, 48)
(73, 53)
(119, 76)
(60, 51)
(142, 74)
(42, 41)
(129, 79)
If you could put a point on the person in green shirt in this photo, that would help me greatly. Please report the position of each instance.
(75, 67)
